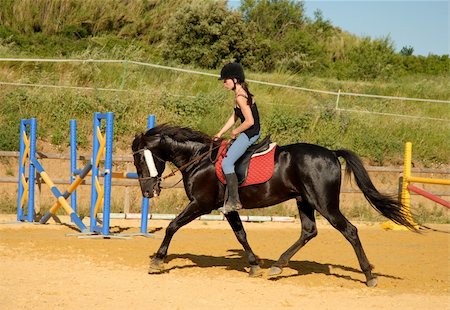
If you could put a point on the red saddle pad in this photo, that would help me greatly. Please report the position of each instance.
(260, 169)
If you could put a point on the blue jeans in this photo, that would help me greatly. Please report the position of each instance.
(236, 150)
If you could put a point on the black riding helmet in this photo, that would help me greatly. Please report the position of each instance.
(232, 70)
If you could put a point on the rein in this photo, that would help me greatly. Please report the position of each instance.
(183, 167)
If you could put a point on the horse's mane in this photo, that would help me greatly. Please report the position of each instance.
(179, 134)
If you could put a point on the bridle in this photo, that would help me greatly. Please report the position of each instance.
(186, 165)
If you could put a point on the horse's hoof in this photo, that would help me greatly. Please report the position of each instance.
(372, 282)
(152, 270)
(156, 266)
(275, 271)
(255, 272)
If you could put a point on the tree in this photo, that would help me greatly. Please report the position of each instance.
(407, 50)
(372, 59)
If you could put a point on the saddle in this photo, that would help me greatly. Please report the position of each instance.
(255, 166)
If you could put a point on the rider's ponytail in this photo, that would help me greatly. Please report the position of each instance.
(249, 94)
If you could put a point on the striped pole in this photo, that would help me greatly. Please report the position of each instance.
(74, 218)
(145, 201)
(69, 192)
(115, 174)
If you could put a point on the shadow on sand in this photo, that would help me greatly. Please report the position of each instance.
(235, 260)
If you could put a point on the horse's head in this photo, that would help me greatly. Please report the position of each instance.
(149, 165)
(160, 144)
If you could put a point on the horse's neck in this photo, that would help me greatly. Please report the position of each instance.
(181, 153)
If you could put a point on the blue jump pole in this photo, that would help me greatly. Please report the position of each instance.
(109, 118)
(31, 170)
(108, 172)
(21, 189)
(145, 201)
(94, 195)
(73, 161)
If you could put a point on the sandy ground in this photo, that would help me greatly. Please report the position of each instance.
(41, 267)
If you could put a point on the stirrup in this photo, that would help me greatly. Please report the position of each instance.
(225, 209)
(228, 207)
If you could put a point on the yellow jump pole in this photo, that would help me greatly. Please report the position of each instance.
(25, 191)
(78, 180)
(405, 195)
(428, 180)
(102, 146)
(60, 198)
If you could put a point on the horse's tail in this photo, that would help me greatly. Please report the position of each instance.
(386, 205)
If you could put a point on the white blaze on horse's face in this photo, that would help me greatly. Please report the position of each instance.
(150, 163)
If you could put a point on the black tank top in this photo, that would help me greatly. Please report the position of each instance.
(254, 130)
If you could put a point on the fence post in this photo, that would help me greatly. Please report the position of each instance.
(337, 100)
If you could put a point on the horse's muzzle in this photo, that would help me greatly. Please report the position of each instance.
(146, 194)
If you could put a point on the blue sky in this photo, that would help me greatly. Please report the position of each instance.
(422, 24)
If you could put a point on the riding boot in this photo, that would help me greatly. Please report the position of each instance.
(232, 202)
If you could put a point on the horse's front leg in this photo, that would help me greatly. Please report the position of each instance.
(190, 213)
(236, 224)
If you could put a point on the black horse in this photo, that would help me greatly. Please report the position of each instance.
(309, 173)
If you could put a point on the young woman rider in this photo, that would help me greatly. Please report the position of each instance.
(245, 134)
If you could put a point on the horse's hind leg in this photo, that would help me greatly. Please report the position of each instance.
(350, 232)
(236, 224)
(309, 231)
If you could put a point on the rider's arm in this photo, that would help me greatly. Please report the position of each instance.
(227, 125)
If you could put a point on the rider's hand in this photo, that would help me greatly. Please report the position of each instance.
(216, 137)
(234, 134)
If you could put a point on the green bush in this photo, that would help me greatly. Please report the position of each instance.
(287, 126)
(208, 35)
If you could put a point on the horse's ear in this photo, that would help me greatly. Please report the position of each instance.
(138, 138)
(136, 141)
